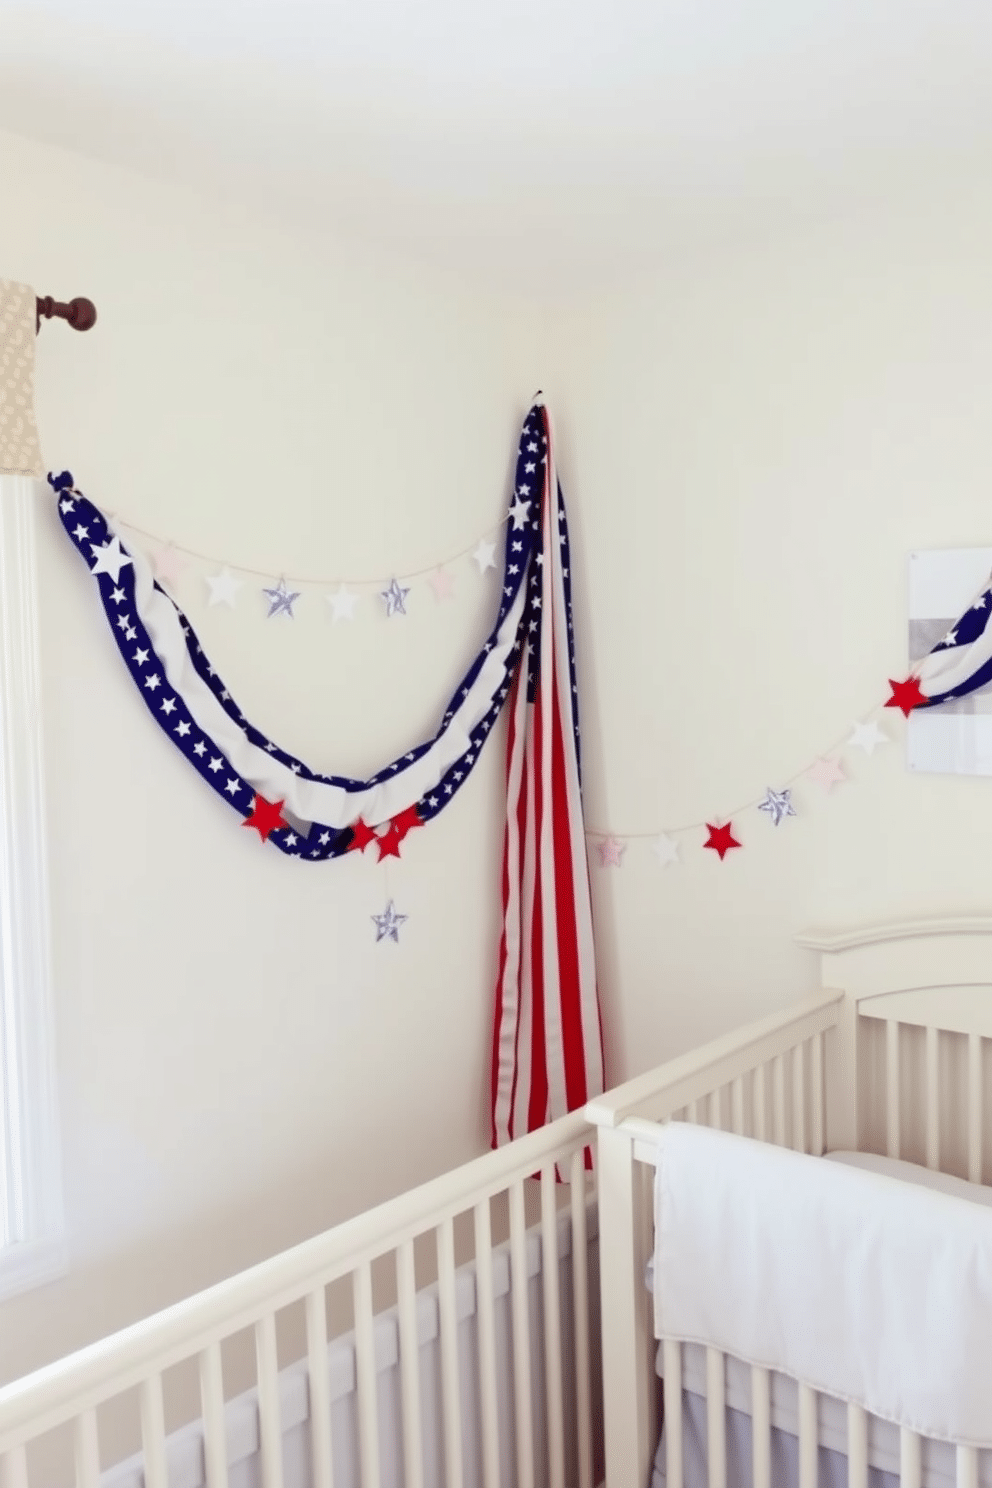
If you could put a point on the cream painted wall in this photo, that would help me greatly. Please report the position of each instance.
(240, 1065)
(753, 442)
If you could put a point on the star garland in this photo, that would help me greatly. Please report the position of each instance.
(170, 562)
(777, 804)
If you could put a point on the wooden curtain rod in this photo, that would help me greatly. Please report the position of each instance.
(80, 313)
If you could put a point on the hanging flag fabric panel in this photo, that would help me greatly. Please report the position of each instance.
(547, 1035)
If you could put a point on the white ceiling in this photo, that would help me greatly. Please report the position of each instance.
(576, 136)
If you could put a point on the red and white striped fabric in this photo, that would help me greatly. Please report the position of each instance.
(547, 1036)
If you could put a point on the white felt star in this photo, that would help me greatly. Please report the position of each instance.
(387, 925)
(109, 559)
(777, 805)
(611, 852)
(485, 555)
(867, 736)
(442, 582)
(826, 772)
(666, 850)
(518, 511)
(281, 600)
(343, 604)
(394, 598)
(223, 588)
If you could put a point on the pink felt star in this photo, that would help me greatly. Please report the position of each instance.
(611, 852)
(169, 564)
(826, 772)
(442, 582)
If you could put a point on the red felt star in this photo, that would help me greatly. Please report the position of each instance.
(721, 839)
(389, 842)
(396, 830)
(266, 816)
(906, 695)
(406, 821)
(362, 835)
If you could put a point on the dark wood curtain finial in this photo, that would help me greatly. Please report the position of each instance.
(80, 313)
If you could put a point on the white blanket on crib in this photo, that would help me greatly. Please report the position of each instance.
(874, 1290)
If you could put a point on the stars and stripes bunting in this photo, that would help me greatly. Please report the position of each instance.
(961, 661)
(547, 1037)
(322, 816)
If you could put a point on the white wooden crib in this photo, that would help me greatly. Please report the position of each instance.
(894, 1057)
(439, 1340)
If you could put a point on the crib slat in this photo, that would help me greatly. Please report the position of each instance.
(406, 1302)
(975, 1107)
(910, 1459)
(892, 1123)
(674, 1470)
(153, 1433)
(365, 1377)
(486, 1329)
(450, 1375)
(214, 1420)
(857, 1447)
(269, 1414)
(778, 1100)
(966, 1467)
(798, 1099)
(319, 1383)
(816, 1080)
(692, 1113)
(807, 1438)
(761, 1427)
(87, 1451)
(758, 1094)
(737, 1106)
(552, 1330)
(933, 1099)
(713, 1114)
(14, 1468)
(716, 1418)
(521, 1338)
(580, 1301)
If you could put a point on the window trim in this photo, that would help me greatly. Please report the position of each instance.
(31, 1207)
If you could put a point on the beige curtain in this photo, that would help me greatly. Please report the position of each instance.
(20, 452)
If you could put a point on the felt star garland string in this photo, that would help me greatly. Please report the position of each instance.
(960, 663)
(170, 562)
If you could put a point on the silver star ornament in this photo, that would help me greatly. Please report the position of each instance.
(777, 804)
(387, 925)
(395, 598)
(281, 600)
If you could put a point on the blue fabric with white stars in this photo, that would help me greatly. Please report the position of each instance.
(88, 530)
(964, 633)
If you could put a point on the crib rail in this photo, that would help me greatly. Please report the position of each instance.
(72, 1389)
(765, 1080)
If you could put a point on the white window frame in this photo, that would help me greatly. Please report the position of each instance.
(32, 1229)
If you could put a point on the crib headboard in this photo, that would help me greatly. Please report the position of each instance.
(893, 1055)
(915, 1040)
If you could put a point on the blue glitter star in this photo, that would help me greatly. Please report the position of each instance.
(394, 597)
(387, 925)
(281, 600)
(778, 804)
